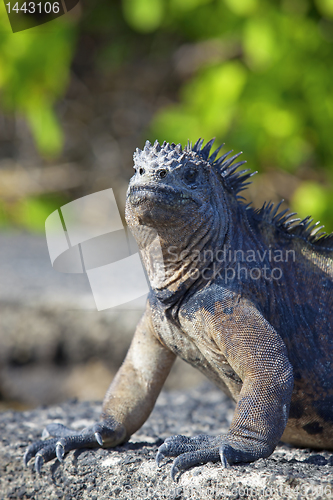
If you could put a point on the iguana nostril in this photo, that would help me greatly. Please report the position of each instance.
(141, 171)
(162, 173)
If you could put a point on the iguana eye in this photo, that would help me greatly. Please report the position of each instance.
(162, 173)
(190, 176)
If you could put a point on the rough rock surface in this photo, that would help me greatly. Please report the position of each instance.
(54, 344)
(130, 471)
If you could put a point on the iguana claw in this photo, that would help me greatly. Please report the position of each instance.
(99, 438)
(224, 461)
(60, 452)
(189, 451)
(174, 471)
(39, 461)
(161, 454)
(66, 439)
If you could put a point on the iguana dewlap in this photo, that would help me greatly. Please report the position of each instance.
(243, 295)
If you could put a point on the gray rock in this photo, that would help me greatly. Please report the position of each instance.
(54, 344)
(130, 471)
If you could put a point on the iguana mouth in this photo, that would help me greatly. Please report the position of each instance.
(166, 195)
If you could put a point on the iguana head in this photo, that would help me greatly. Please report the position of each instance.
(176, 186)
(179, 203)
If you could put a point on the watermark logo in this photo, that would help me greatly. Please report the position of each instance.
(229, 265)
(217, 491)
(25, 15)
(88, 236)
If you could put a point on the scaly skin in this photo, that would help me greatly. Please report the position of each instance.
(243, 295)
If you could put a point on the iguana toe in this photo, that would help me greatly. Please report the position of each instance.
(60, 451)
(38, 463)
(189, 451)
(66, 439)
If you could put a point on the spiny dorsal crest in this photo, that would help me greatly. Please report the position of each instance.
(171, 155)
(305, 228)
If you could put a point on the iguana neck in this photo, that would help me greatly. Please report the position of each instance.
(171, 259)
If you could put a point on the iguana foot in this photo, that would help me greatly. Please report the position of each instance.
(203, 449)
(189, 451)
(106, 433)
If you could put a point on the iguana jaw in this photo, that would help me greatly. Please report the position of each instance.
(163, 195)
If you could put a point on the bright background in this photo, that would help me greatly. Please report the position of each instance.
(78, 95)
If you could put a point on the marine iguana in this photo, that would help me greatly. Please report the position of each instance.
(242, 294)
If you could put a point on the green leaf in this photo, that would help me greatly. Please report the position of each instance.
(45, 126)
(186, 5)
(325, 7)
(31, 212)
(208, 107)
(242, 7)
(34, 71)
(143, 15)
(259, 43)
(310, 198)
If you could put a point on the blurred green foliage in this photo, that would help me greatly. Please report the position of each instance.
(144, 15)
(264, 85)
(267, 88)
(34, 72)
(29, 212)
(275, 98)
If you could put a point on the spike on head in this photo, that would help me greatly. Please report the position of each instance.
(234, 167)
(206, 149)
(214, 155)
(197, 146)
(157, 146)
(228, 162)
(220, 160)
(173, 155)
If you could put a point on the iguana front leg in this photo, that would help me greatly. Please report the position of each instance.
(127, 404)
(258, 355)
